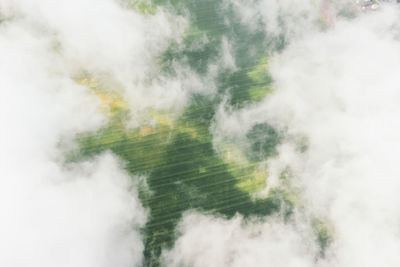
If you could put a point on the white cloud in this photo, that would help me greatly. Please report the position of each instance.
(278, 18)
(85, 214)
(120, 46)
(208, 241)
(340, 89)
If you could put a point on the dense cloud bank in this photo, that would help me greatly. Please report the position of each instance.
(57, 214)
(338, 90)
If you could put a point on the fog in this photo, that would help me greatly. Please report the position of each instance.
(56, 213)
(339, 89)
(335, 91)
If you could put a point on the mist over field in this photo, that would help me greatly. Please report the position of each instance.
(199, 133)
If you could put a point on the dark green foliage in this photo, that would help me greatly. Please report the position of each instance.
(263, 140)
(194, 177)
(210, 20)
(323, 235)
(184, 172)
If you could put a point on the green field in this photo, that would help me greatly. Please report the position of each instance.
(176, 153)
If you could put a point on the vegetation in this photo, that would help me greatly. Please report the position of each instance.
(184, 172)
(176, 154)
